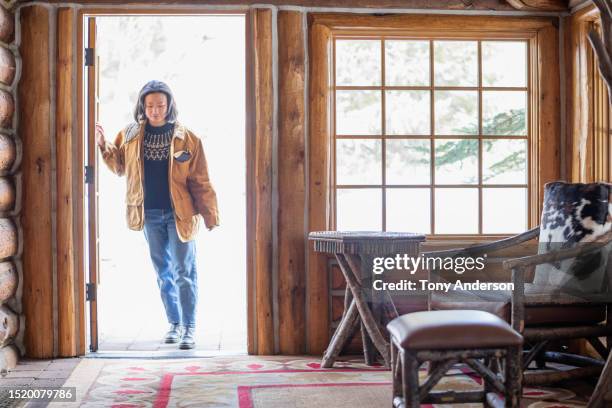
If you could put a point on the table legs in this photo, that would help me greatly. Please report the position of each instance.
(357, 312)
(350, 267)
(341, 336)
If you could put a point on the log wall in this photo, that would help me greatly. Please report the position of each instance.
(47, 123)
(11, 329)
(288, 112)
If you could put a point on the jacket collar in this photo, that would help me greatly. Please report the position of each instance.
(135, 129)
(179, 130)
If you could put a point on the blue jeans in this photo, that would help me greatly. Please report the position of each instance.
(175, 264)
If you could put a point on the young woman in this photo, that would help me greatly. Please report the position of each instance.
(167, 188)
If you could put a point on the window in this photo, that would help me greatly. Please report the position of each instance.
(431, 135)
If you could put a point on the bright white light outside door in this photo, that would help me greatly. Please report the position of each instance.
(202, 59)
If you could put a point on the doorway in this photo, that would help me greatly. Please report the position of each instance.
(202, 59)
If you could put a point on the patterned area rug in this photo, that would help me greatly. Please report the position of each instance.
(254, 382)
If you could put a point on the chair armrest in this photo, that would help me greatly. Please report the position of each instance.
(562, 254)
(487, 247)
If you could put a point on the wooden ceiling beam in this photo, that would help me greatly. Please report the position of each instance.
(374, 4)
(539, 5)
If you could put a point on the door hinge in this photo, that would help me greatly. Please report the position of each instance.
(90, 291)
(89, 57)
(89, 175)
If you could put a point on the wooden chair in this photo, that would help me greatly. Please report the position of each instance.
(547, 304)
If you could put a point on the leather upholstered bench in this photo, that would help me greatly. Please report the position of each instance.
(481, 340)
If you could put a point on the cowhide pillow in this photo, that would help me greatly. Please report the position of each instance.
(575, 213)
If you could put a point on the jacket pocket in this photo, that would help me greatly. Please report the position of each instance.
(184, 207)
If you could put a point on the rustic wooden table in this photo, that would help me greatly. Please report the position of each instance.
(354, 251)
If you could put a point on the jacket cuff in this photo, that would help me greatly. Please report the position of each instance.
(211, 220)
(104, 150)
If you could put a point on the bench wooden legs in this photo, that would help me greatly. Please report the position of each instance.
(408, 393)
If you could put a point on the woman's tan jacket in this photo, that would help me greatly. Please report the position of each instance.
(191, 192)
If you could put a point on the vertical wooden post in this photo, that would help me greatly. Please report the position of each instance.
(65, 209)
(262, 37)
(291, 183)
(34, 129)
(317, 298)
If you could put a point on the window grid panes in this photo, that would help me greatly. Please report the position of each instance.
(431, 135)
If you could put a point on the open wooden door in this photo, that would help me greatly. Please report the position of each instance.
(91, 181)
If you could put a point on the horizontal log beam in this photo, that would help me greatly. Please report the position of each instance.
(7, 194)
(7, 66)
(8, 281)
(374, 4)
(8, 357)
(7, 26)
(8, 238)
(7, 108)
(8, 152)
(9, 326)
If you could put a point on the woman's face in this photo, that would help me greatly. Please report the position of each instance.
(156, 108)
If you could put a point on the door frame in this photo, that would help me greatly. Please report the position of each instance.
(79, 173)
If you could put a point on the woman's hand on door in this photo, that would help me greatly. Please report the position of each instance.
(100, 141)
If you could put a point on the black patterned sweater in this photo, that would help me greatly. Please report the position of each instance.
(156, 159)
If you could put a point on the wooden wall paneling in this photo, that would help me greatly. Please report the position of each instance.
(601, 122)
(65, 209)
(548, 112)
(262, 38)
(291, 183)
(34, 128)
(317, 297)
(571, 58)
